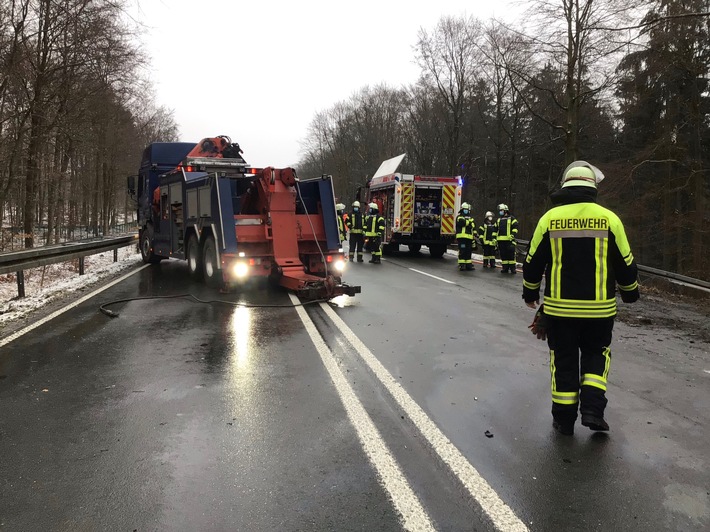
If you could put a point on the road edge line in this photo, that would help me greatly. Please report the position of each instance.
(405, 501)
(500, 514)
(14, 336)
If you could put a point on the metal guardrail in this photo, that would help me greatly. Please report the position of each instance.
(18, 261)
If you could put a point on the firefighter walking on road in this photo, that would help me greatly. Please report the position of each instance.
(340, 208)
(465, 234)
(488, 234)
(356, 227)
(507, 229)
(582, 250)
(374, 229)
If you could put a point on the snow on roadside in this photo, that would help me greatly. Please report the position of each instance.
(58, 281)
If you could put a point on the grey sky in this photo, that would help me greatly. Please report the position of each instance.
(260, 70)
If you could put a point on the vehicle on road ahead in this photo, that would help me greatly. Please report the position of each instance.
(418, 210)
(204, 204)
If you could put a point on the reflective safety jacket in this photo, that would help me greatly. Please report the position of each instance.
(374, 225)
(341, 227)
(582, 250)
(465, 227)
(488, 233)
(507, 228)
(355, 223)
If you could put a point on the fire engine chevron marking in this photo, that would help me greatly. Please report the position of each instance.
(500, 514)
(56, 313)
(413, 515)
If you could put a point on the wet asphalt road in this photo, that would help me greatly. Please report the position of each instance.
(179, 415)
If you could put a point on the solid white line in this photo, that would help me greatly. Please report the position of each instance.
(433, 276)
(501, 514)
(62, 310)
(405, 501)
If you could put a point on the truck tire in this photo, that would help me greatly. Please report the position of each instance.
(437, 250)
(213, 274)
(414, 248)
(194, 258)
(146, 244)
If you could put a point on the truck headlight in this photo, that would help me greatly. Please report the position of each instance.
(240, 270)
(339, 265)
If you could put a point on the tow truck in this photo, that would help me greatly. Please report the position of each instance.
(232, 222)
(418, 209)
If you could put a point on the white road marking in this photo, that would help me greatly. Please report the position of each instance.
(500, 513)
(62, 310)
(706, 370)
(433, 276)
(403, 497)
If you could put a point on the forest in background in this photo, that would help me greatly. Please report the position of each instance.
(76, 111)
(622, 84)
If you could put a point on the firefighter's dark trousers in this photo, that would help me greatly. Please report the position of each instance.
(579, 365)
(507, 255)
(376, 248)
(465, 249)
(357, 242)
(489, 255)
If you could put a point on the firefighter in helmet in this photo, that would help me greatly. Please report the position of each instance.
(487, 234)
(582, 251)
(465, 235)
(507, 229)
(356, 226)
(374, 229)
(340, 208)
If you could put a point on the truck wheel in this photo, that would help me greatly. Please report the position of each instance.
(437, 250)
(147, 251)
(194, 258)
(414, 248)
(213, 275)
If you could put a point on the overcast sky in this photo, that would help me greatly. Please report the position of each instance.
(260, 70)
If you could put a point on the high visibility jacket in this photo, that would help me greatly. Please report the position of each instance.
(355, 223)
(374, 225)
(507, 228)
(582, 250)
(465, 227)
(341, 227)
(488, 233)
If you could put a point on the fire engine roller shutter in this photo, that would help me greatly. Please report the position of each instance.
(448, 204)
(407, 208)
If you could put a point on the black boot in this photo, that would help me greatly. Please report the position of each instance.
(594, 422)
(567, 429)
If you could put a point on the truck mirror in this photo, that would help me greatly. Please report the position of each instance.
(132, 185)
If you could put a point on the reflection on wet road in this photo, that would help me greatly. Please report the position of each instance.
(420, 404)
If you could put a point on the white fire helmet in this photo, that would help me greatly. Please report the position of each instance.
(339, 207)
(581, 174)
(356, 204)
(373, 206)
(489, 214)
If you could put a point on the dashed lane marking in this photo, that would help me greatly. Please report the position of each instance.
(70, 306)
(413, 515)
(432, 276)
(500, 514)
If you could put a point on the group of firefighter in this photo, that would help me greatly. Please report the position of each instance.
(498, 234)
(361, 226)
